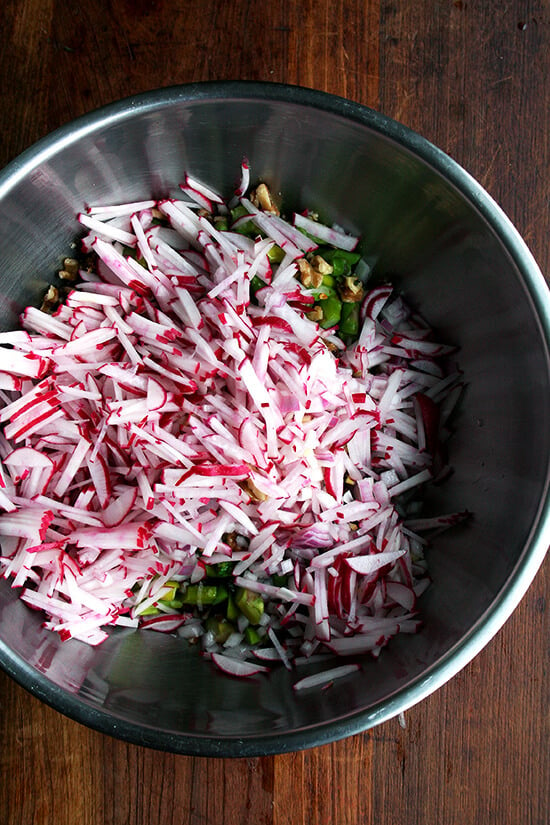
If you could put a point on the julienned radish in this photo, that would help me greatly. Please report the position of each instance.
(219, 433)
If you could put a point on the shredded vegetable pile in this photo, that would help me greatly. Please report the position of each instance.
(222, 431)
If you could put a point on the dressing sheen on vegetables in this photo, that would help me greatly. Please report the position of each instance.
(222, 431)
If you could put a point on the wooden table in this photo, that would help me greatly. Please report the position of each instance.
(473, 77)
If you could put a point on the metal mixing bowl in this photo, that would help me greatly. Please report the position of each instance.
(451, 250)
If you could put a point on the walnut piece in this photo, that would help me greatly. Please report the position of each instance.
(262, 198)
(351, 291)
(320, 265)
(50, 301)
(254, 493)
(309, 276)
(316, 314)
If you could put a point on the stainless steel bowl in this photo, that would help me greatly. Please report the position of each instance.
(453, 252)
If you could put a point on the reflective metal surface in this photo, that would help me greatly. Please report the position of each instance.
(452, 251)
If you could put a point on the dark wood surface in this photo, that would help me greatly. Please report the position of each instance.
(472, 76)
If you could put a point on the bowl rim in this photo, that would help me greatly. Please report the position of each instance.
(525, 569)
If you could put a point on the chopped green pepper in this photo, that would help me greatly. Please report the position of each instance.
(251, 635)
(349, 320)
(175, 604)
(275, 254)
(342, 261)
(330, 255)
(169, 590)
(246, 227)
(150, 611)
(341, 268)
(256, 284)
(221, 223)
(204, 594)
(250, 604)
(220, 628)
(332, 309)
(238, 212)
(219, 571)
(130, 252)
(232, 611)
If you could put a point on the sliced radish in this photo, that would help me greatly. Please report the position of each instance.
(171, 416)
(237, 667)
(167, 623)
(325, 677)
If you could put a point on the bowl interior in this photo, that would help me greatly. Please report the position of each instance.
(429, 227)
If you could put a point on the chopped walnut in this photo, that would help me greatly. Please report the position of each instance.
(254, 493)
(69, 272)
(231, 540)
(308, 275)
(262, 198)
(320, 265)
(50, 301)
(316, 314)
(351, 291)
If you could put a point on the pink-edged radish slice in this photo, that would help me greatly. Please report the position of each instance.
(11, 382)
(6, 503)
(266, 654)
(25, 459)
(99, 474)
(37, 482)
(401, 594)
(325, 677)
(167, 623)
(365, 565)
(120, 508)
(374, 302)
(156, 395)
(326, 233)
(237, 667)
(23, 364)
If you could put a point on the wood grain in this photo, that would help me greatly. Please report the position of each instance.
(471, 77)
